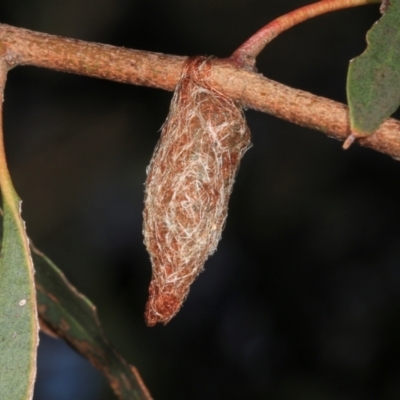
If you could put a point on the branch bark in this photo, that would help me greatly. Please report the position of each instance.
(23, 47)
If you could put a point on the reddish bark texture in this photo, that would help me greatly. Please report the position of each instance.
(24, 47)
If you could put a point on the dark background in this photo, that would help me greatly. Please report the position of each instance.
(302, 298)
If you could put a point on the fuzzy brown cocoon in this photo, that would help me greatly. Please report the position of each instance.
(189, 182)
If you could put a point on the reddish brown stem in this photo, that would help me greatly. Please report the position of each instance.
(21, 46)
(25, 47)
(245, 55)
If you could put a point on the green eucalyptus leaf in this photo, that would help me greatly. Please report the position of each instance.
(70, 315)
(373, 80)
(18, 315)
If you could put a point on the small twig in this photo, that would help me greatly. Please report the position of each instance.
(246, 54)
(24, 47)
(301, 108)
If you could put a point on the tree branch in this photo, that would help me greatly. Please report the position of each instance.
(24, 47)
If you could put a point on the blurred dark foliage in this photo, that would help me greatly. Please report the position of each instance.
(302, 298)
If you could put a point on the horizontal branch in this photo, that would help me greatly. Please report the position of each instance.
(24, 47)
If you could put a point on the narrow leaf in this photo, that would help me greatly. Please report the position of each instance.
(373, 80)
(18, 322)
(73, 317)
(18, 315)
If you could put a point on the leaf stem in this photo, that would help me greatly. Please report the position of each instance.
(7, 190)
(245, 55)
